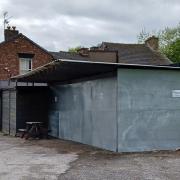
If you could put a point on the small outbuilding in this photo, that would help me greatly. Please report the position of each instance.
(118, 107)
(21, 104)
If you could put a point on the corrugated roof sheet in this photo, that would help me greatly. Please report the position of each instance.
(67, 70)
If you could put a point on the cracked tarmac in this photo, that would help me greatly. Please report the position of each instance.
(55, 159)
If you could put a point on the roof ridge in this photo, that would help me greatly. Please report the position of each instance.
(36, 44)
(22, 35)
(123, 43)
(62, 52)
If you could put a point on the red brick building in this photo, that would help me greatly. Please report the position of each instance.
(19, 54)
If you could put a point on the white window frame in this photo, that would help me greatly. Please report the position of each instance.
(24, 66)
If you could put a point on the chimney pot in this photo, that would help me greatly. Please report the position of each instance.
(153, 43)
(14, 28)
(83, 51)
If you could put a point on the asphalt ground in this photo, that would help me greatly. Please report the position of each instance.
(55, 159)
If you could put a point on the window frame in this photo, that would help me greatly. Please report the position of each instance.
(25, 57)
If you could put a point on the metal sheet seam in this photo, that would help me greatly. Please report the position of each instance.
(117, 112)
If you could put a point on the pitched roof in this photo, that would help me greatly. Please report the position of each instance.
(127, 53)
(137, 54)
(68, 55)
(20, 35)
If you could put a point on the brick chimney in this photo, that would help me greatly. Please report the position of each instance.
(10, 33)
(83, 51)
(94, 48)
(153, 43)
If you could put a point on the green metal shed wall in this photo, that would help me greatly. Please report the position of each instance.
(85, 112)
(148, 115)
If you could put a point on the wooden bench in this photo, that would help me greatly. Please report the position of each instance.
(25, 133)
(21, 132)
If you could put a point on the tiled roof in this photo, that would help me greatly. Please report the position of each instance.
(68, 55)
(127, 53)
(137, 54)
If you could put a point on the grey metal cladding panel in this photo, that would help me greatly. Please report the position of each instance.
(71, 111)
(54, 123)
(88, 112)
(87, 130)
(13, 112)
(148, 89)
(71, 125)
(104, 129)
(148, 116)
(5, 111)
(149, 130)
(104, 95)
(93, 128)
(74, 98)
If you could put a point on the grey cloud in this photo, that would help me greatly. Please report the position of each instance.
(106, 9)
(59, 24)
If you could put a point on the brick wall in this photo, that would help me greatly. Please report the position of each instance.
(103, 56)
(9, 58)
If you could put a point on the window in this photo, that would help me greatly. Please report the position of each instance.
(25, 64)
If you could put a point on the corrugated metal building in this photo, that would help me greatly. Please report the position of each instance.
(119, 107)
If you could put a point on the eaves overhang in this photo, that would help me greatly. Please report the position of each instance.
(62, 70)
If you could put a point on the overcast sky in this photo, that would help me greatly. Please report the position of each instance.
(60, 24)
